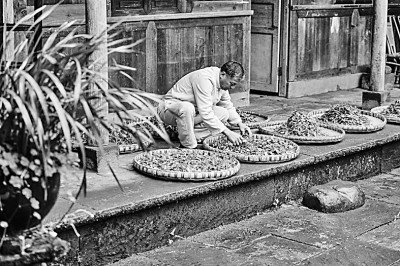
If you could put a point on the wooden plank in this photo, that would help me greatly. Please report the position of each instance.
(218, 6)
(325, 43)
(321, 85)
(63, 13)
(151, 57)
(354, 37)
(325, 7)
(334, 42)
(210, 22)
(161, 59)
(282, 86)
(309, 46)
(237, 42)
(8, 17)
(188, 50)
(344, 47)
(179, 16)
(219, 38)
(315, 50)
(200, 53)
(246, 56)
(173, 59)
(293, 38)
(323, 13)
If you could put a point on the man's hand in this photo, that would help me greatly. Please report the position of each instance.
(234, 137)
(243, 129)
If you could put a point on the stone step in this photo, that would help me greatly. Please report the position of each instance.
(144, 216)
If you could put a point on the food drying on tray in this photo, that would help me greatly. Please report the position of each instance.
(344, 114)
(300, 124)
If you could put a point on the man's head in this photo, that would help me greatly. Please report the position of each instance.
(230, 75)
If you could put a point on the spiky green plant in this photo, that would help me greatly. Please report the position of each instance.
(48, 100)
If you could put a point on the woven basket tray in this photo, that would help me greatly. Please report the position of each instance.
(377, 122)
(394, 119)
(331, 133)
(261, 120)
(232, 165)
(208, 144)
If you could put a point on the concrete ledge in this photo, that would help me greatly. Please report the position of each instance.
(144, 222)
(316, 86)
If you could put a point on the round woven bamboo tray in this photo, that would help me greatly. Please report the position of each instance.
(179, 156)
(261, 120)
(394, 119)
(330, 133)
(209, 143)
(376, 122)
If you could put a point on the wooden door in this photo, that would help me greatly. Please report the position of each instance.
(265, 45)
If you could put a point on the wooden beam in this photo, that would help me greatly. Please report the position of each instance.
(181, 16)
(378, 58)
(39, 27)
(8, 18)
(151, 57)
(96, 24)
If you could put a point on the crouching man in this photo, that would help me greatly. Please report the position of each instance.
(202, 96)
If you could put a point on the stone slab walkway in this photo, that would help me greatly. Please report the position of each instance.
(294, 235)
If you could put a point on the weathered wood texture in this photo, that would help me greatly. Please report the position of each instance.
(174, 44)
(175, 48)
(53, 2)
(378, 46)
(265, 25)
(329, 43)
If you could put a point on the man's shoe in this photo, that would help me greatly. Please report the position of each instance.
(199, 146)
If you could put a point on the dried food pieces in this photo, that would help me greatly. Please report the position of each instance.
(393, 109)
(250, 119)
(186, 160)
(256, 146)
(344, 114)
(300, 124)
(247, 117)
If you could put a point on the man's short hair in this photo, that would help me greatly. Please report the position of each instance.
(233, 69)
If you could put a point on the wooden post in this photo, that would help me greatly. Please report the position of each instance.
(377, 94)
(96, 23)
(38, 30)
(378, 59)
(8, 18)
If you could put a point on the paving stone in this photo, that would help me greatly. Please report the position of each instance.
(334, 196)
(303, 225)
(273, 250)
(184, 253)
(231, 236)
(137, 260)
(386, 236)
(355, 253)
(384, 187)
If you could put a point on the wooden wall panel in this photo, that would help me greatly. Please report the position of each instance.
(136, 60)
(181, 50)
(332, 43)
(172, 48)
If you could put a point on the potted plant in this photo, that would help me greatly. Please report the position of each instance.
(46, 102)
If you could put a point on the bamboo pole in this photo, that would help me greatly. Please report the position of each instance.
(378, 57)
(96, 23)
